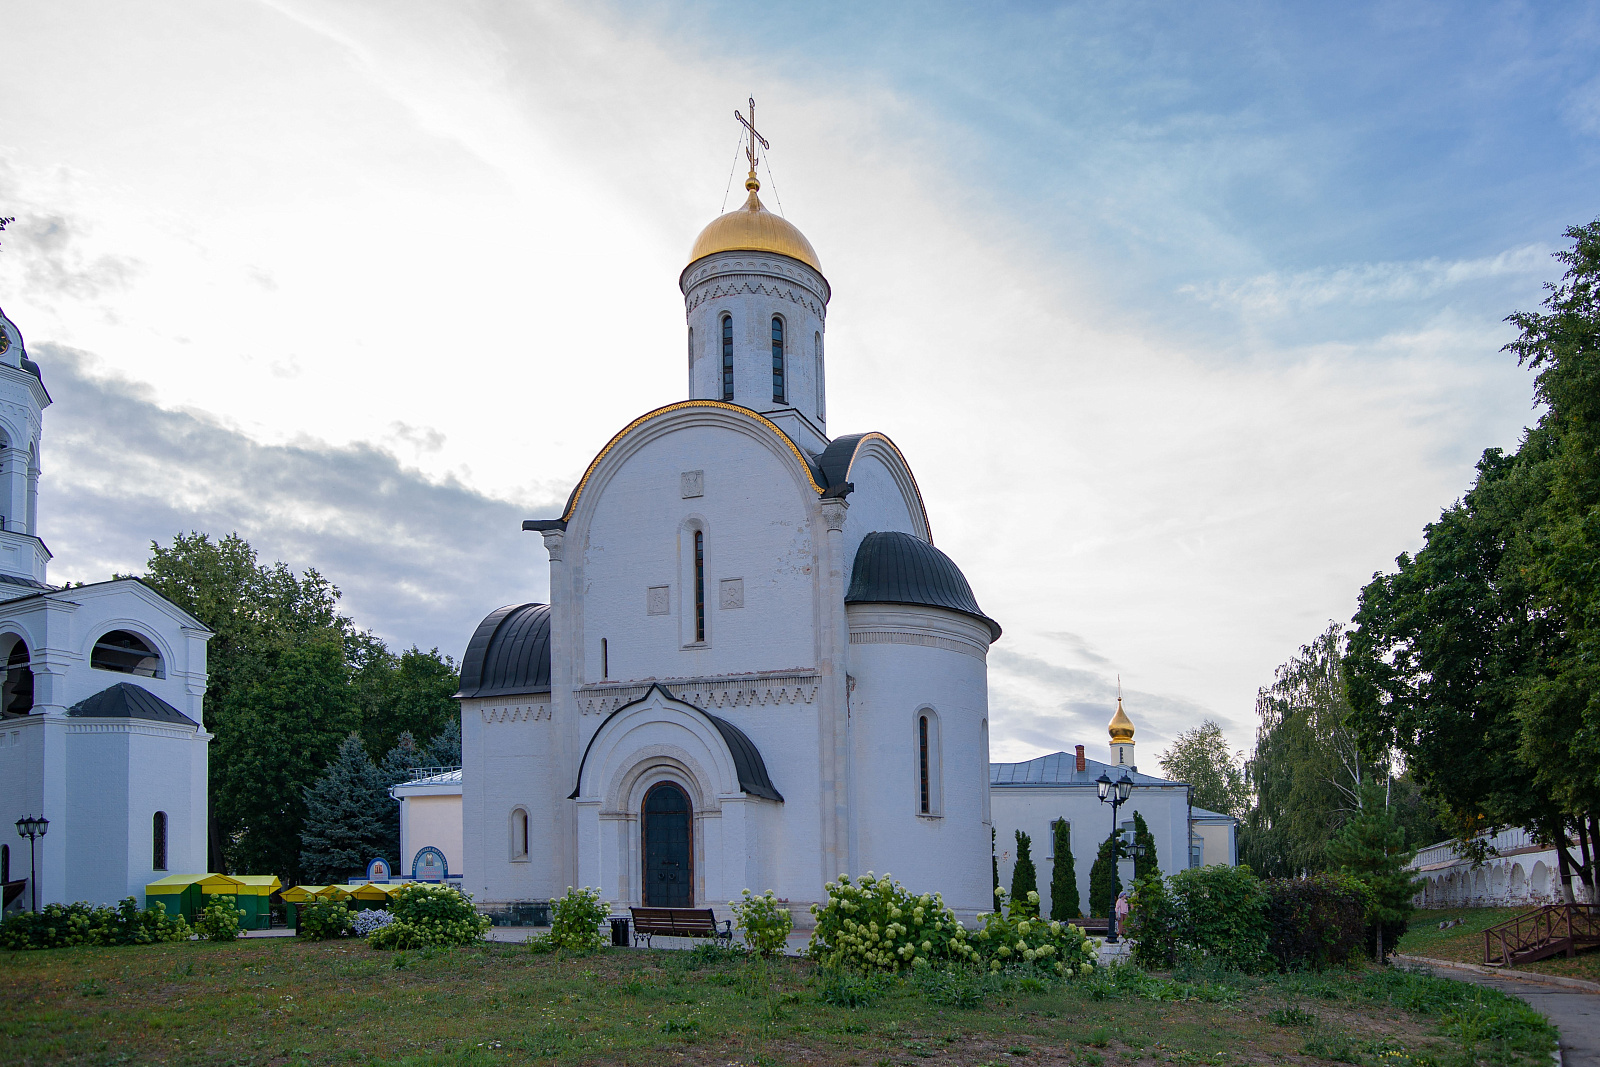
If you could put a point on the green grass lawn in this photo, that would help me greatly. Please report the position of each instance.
(281, 1001)
(1465, 942)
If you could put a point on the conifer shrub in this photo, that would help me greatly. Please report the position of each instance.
(427, 915)
(69, 925)
(1150, 863)
(575, 921)
(220, 919)
(324, 920)
(1064, 901)
(1024, 876)
(763, 920)
(875, 924)
(1104, 883)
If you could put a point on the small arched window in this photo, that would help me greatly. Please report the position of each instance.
(777, 360)
(727, 357)
(922, 759)
(691, 360)
(822, 394)
(158, 841)
(126, 653)
(519, 833)
(926, 740)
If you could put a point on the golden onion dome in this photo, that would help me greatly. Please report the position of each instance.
(1121, 727)
(752, 228)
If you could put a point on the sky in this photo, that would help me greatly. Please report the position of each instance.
(1187, 317)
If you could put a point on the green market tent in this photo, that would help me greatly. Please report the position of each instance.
(255, 899)
(297, 895)
(184, 894)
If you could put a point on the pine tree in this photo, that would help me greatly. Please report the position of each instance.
(1104, 883)
(445, 749)
(1149, 863)
(1024, 878)
(347, 815)
(1063, 875)
(1371, 848)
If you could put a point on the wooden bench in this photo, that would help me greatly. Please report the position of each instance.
(1092, 926)
(679, 922)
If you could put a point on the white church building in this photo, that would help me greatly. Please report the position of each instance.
(101, 730)
(756, 669)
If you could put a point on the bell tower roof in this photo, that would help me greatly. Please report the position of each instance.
(752, 228)
(1120, 727)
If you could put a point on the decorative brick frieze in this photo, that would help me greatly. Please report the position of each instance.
(708, 693)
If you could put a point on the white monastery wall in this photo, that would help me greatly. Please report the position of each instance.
(1523, 874)
(906, 662)
(512, 761)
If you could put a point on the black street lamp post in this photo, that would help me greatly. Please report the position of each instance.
(33, 829)
(1113, 793)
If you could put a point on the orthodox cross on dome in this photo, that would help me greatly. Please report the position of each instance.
(755, 138)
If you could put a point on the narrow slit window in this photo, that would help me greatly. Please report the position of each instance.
(605, 660)
(822, 397)
(699, 587)
(727, 357)
(777, 359)
(922, 759)
(158, 841)
(5, 863)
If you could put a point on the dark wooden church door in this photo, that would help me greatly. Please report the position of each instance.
(668, 848)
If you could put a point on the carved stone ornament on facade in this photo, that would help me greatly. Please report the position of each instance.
(692, 484)
(731, 593)
(516, 713)
(658, 600)
(796, 688)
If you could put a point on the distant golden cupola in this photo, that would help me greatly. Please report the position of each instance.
(1121, 727)
(752, 228)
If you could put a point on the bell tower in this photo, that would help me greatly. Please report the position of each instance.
(756, 306)
(23, 556)
(1121, 730)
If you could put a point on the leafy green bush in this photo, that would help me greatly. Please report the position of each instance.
(575, 920)
(220, 919)
(430, 915)
(65, 925)
(1315, 922)
(1014, 936)
(324, 920)
(875, 924)
(850, 989)
(955, 987)
(763, 920)
(1217, 913)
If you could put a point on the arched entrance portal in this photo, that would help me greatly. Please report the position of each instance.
(668, 847)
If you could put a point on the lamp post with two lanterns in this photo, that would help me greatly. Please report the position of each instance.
(33, 828)
(1113, 793)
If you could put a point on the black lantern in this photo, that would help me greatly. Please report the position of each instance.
(33, 829)
(1103, 784)
(1124, 786)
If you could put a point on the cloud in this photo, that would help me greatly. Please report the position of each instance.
(1285, 293)
(419, 560)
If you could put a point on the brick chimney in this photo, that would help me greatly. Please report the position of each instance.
(1081, 764)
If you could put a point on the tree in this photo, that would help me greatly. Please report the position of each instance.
(1479, 658)
(1024, 878)
(347, 815)
(413, 692)
(1371, 848)
(279, 731)
(1149, 863)
(1064, 900)
(445, 749)
(1202, 758)
(1308, 764)
(1104, 882)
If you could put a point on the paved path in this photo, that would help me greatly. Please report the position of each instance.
(1575, 1013)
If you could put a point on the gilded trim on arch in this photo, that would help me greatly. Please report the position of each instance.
(577, 493)
(921, 504)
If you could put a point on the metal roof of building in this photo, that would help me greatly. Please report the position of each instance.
(1061, 768)
(896, 568)
(508, 653)
(128, 701)
(442, 778)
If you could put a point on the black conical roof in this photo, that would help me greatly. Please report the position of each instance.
(128, 701)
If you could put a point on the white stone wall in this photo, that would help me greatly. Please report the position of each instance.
(511, 758)
(433, 819)
(906, 662)
(1523, 874)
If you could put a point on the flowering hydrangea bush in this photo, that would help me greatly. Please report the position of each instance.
(220, 919)
(366, 922)
(876, 924)
(323, 920)
(430, 915)
(63, 925)
(1013, 935)
(575, 920)
(763, 920)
